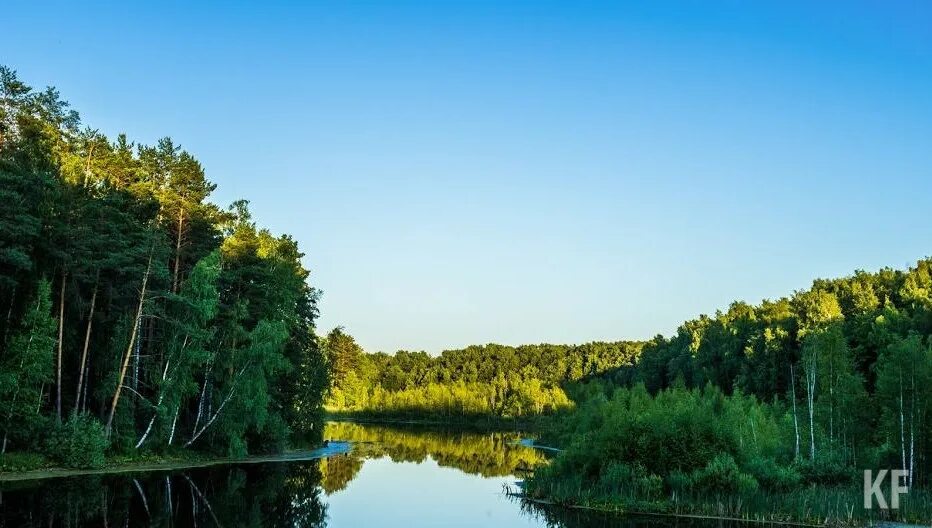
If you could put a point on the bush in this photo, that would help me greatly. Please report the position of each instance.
(826, 470)
(78, 443)
(773, 476)
(722, 475)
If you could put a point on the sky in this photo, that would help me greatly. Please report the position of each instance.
(470, 172)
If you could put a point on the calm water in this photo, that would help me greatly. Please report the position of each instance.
(392, 478)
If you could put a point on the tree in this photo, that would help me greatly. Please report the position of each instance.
(172, 319)
(904, 388)
(343, 355)
(26, 366)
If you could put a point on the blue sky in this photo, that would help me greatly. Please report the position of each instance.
(470, 172)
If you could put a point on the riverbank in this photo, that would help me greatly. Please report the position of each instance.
(649, 514)
(170, 464)
(835, 507)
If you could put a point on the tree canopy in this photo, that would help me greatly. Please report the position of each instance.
(138, 314)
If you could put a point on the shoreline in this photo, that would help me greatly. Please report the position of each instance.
(617, 511)
(333, 448)
(609, 509)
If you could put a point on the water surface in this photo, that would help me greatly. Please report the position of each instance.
(393, 477)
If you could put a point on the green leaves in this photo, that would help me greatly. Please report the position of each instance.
(220, 345)
(27, 364)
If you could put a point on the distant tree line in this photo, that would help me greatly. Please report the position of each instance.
(478, 381)
(137, 315)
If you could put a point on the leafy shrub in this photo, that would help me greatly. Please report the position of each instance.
(616, 476)
(78, 443)
(633, 447)
(774, 476)
(722, 475)
(825, 470)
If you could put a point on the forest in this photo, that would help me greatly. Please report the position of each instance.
(756, 402)
(139, 318)
(477, 383)
(802, 392)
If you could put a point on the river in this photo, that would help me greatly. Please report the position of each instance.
(393, 477)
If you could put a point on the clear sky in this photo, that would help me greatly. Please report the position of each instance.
(520, 172)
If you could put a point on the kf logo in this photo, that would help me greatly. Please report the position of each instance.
(872, 488)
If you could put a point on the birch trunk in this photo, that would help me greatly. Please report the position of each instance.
(912, 430)
(810, 396)
(795, 417)
(129, 349)
(61, 330)
(223, 404)
(178, 250)
(902, 425)
(200, 402)
(87, 342)
(156, 412)
(171, 436)
(831, 401)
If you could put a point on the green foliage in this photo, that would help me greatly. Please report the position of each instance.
(722, 475)
(482, 452)
(80, 443)
(182, 325)
(845, 368)
(638, 446)
(774, 476)
(18, 462)
(696, 451)
(25, 366)
(491, 380)
(847, 361)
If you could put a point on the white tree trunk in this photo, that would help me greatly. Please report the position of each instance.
(223, 404)
(129, 349)
(87, 342)
(810, 393)
(795, 417)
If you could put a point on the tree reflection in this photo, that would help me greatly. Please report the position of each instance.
(251, 495)
(489, 454)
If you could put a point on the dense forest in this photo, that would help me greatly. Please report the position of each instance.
(754, 401)
(137, 315)
(477, 382)
(762, 401)
(138, 318)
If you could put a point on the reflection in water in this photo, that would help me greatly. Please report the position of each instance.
(489, 454)
(248, 495)
(393, 477)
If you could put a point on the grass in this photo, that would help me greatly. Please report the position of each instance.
(811, 505)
